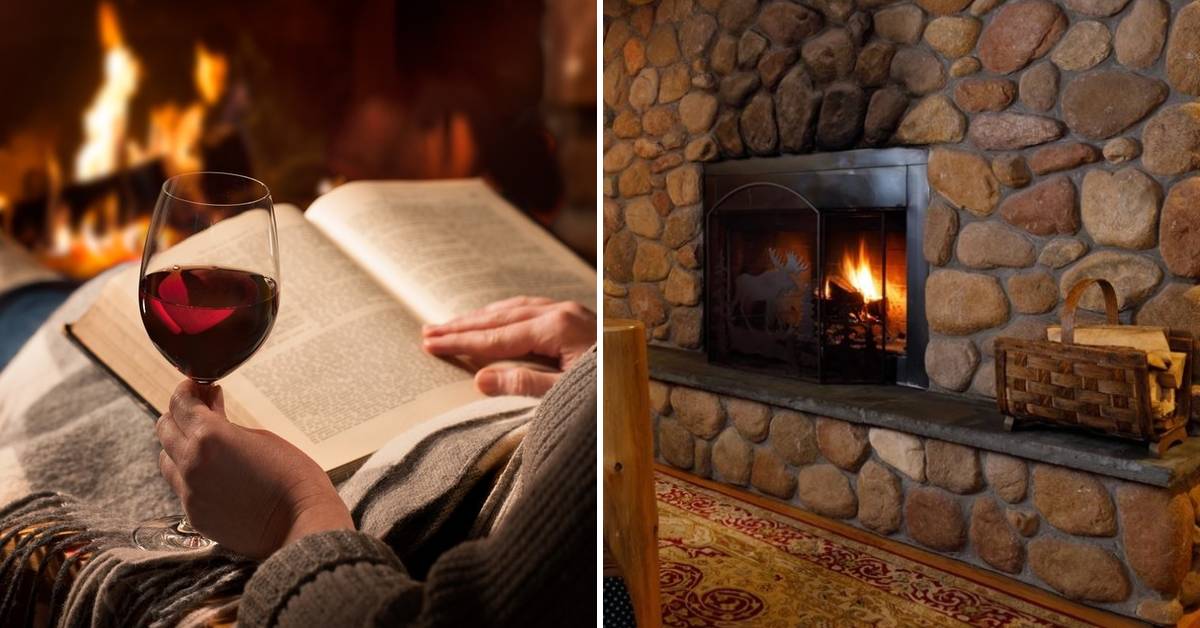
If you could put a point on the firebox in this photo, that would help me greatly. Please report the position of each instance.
(814, 266)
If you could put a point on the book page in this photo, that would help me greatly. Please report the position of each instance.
(340, 374)
(448, 247)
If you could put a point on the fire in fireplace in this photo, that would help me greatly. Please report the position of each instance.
(810, 266)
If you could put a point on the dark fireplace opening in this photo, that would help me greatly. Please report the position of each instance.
(810, 265)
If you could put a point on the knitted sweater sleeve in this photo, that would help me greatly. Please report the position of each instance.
(537, 569)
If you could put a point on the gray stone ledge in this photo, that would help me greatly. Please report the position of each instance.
(972, 422)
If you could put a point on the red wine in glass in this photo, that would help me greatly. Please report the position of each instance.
(208, 292)
(207, 320)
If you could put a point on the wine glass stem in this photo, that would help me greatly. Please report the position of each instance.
(185, 526)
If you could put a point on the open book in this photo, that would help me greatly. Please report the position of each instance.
(370, 262)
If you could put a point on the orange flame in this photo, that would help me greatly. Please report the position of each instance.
(104, 121)
(858, 273)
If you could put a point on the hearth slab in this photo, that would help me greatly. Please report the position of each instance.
(976, 423)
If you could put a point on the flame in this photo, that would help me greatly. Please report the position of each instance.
(104, 121)
(174, 136)
(858, 273)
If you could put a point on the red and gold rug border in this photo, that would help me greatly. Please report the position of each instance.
(1015, 588)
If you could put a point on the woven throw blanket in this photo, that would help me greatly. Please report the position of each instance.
(78, 463)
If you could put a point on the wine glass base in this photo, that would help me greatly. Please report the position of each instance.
(170, 533)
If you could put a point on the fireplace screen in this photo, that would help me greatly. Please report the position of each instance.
(816, 292)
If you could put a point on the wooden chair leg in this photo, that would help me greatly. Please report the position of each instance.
(630, 509)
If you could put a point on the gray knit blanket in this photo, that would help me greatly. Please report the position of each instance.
(78, 463)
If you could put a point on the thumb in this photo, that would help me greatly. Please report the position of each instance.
(515, 381)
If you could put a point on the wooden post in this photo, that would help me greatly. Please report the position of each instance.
(630, 510)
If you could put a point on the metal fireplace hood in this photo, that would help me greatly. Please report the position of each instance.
(891, 179)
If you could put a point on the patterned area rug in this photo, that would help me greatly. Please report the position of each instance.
(725, 562)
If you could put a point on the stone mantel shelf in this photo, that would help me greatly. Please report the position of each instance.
(960, 420)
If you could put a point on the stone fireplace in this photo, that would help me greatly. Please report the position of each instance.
(1059, 141)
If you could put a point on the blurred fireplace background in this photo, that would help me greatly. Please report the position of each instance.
(104, 100)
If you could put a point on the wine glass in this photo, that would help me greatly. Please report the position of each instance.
(208, 293)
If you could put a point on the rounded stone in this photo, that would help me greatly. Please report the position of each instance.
(627, 125)
(1172, 140)
(1097, 8)
(1086, 44)
(774, 63)
(736, 88)
(993, 539)
(651, 262)
(695, 34)
(735, 15)
(883, 115)
(941, 226)
(1012, 170)
(1078, 571)
(618, 157)
(697, 111)
(840, 120)
(682, 287)
(686, 326)
(1183, 50)
(1161, 612)
(793, 435)
(1047, 208)
(662, 48)
(965, 66)
(660, 396)
(616, 84)
(788, 24)
(732, 457)
(1141, 34)
(702, 459)
(618, 256)
(647, 305)
(825, 490)
(770, 474)
(1120, 208)
(634, 54)
(903, 452)
(874, 63)
(682, 225)
(830, 55)
(901, 24)
(991, 94)
(1025, 523)
(697, 410)
(1103, 103)
(701, 149)
(879, 498)
(1033, 293)
(844, 444)
(1007, 131)
(918, 70)
(642, 218)
(953, 467)
(728, 136)
(1156, 533)
(951, 363)
(757, 125)
(1039, 87)
(659, 121)
(959, 303)
(675, 443)
(991, 244)
(750, 48)
(933, 120)
(1179, 231)
(1019, 33)
(1074, 502)
(797, 103)
(1133, 278)
(1007, 477)
(1062, 251)
(984, 383)
(752, 419)
(723, 57)
(1176, 306)
(683, 185)
(964, 179)
(635, 180)
(953, 37)
(1121, 150)
(1061, 157)
(943, 7)
(934, 519)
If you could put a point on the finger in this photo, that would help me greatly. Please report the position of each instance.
(169, 435)
(189, 410)
(515, 381)
(487, 320)
(170, 473)
(509, 341)
(515, 302)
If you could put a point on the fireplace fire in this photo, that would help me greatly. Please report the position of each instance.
(809, 267)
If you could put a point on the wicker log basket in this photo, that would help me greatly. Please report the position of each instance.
(1100, 389)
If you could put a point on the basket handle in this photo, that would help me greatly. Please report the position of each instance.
(1073, 297)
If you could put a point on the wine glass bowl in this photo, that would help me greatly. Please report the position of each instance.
(208, 291)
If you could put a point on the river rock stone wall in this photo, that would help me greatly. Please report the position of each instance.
(1063, 143)
(1118, 545)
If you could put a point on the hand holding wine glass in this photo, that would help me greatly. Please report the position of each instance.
(209, 300)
